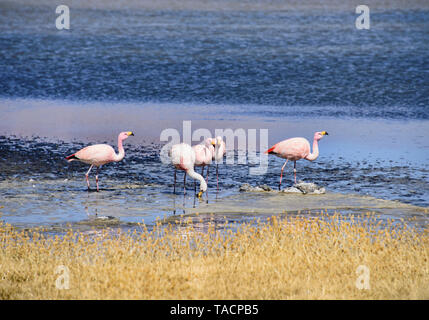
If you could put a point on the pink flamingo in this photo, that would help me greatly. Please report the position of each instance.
(100, 154)
(183, 158)
(295, 149)
(219, 153)
(204, 154)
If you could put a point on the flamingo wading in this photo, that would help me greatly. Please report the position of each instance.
(183, 158)
(204, 154)
(100, 154)
(295, 149)
(219, 153)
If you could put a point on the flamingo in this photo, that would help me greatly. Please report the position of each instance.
(295, 149)
(100, 154)
(220, 150)
(183, 158)
(204, 154)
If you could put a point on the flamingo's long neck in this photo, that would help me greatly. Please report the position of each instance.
(121, 154)
(196, 176)
(219, 151)
(313, 156)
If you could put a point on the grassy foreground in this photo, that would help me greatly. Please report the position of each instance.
(289, 258)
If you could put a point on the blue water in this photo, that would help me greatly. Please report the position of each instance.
(285, 58)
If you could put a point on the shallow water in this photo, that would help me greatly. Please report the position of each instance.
(39, 187)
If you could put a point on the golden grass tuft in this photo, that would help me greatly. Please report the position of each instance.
(290, 258)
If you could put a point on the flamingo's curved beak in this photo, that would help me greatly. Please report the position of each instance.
(200, 194)
(130, 133)
(325, 133)
(213, 143)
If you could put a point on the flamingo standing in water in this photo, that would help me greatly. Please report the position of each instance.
(204, 154)
(295, 149)
(100, 154)
(219, 153)
(183, 158)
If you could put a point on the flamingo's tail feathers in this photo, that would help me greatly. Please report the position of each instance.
(270, 150)
(71, 157)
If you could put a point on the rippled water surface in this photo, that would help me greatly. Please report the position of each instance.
(232, 53)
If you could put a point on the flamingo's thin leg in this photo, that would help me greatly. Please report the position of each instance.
(294, 170)
(96, 178)
(207, 181)
(184, 184)
(174, 188)
(281, 174)
(195, 199)
(217, 176)
(86, 175)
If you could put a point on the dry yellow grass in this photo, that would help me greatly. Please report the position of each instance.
(289, 258)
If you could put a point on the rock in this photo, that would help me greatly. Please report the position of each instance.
(105, 218)
(245, 187)
(265, 187)
(301, 188)
(248, 188)
(291, 190)
(309, 188)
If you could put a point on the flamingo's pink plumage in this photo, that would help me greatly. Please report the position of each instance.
(100, 154)
(219, 153)
(203, 156)
(291, 149)
(295, 149)
(183, 158)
